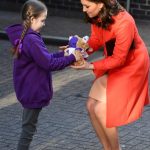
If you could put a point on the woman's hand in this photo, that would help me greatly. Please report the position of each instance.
(90, 50)
(77, 55)
(85, 66)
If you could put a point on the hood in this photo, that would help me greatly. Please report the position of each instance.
(14, 32)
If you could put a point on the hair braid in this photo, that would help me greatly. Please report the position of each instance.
(26, 25)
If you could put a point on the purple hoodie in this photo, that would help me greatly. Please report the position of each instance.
(32, 70)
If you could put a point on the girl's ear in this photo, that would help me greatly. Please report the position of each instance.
(32, 19)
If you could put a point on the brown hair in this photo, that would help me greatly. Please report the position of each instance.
(31, 8)
(110, 8)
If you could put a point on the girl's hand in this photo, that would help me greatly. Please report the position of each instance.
(85, 66)
(63, 47)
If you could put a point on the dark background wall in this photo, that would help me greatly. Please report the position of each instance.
(72, 8)
(139, 8)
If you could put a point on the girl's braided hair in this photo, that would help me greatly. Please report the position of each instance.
(104, 18)
(31, 8)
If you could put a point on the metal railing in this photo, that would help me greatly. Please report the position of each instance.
(128, 5)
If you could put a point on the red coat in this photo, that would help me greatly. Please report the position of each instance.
(127, 68)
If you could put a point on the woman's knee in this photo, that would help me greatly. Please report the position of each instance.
(100, 111)
(90, 105)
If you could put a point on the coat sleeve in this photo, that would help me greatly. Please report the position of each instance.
(95, 40)
(46, 60)
(124, 36)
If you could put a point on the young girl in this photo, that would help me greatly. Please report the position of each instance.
(120, 90)
(32, 67)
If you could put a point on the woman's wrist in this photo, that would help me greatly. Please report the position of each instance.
(89, 66)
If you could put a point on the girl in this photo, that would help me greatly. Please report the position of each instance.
(120, 89)
(32, 67)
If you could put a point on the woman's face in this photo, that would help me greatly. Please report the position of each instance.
(92, 9)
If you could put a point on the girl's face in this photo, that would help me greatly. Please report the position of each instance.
(39, 22)
(92, 9)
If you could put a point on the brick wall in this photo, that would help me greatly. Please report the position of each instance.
(138, 8)
(64, 4)
(69, 8)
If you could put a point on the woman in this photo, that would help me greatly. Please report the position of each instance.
(120, 90)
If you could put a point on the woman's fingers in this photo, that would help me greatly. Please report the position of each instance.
(79, 66)
(78, 55)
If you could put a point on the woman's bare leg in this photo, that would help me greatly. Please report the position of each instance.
(96, 125)
(111, 133)
(97, 112)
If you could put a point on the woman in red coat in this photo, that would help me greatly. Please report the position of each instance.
(120, 90)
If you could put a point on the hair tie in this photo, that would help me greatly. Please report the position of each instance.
(18, 44)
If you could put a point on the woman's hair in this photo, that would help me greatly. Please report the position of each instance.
(104, 18)
(31, 8)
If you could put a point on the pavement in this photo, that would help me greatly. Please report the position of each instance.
(64, 124)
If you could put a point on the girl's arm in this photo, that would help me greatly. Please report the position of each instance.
(58, 54)
(46, 60)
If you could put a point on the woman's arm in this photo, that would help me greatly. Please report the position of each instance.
(124, 38)
(95, 41)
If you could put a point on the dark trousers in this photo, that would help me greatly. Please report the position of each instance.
(29, 123)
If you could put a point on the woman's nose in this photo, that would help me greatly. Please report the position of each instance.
(84, 9)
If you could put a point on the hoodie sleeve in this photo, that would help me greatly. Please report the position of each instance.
(44, 59)
(58, 54)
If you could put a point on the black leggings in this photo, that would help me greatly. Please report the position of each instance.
(29, 123)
